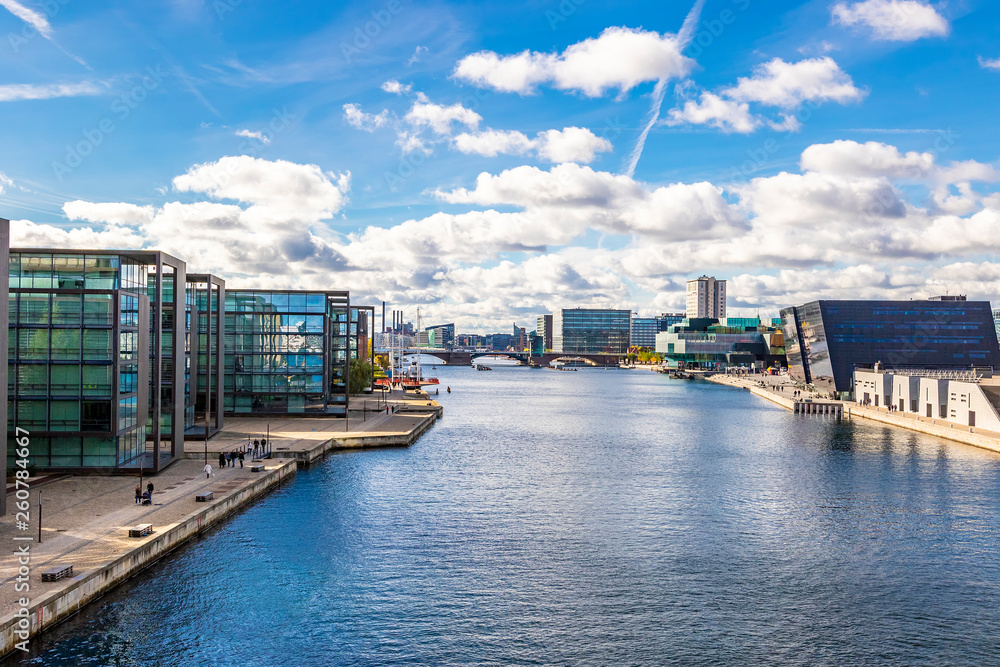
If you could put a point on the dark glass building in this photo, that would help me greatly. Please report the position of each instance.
(287, 352)
(4, 321)
(826, 340)
(591, 331)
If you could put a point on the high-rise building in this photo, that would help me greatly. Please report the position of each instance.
(543, 328)
(706, 298)
(827, 340)
(590, 330)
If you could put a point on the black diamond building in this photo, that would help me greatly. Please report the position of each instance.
(826, 340)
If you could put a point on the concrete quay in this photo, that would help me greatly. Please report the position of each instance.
(307, 439)
(940, 428)
(85, 523)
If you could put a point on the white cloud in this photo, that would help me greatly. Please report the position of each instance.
(417, 52)
(787, 85)
(365, 121)
(620, 58)
(989, 63)
(29, 16)
(439, 117)
(893, 20)
(396, 88)
(571, 144)
(259, 136)
(120, 213)
(871, 159)
(14, 92)
(494, 142)
(277, 190)
(715, 111)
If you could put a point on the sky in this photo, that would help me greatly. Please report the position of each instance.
(490, 162)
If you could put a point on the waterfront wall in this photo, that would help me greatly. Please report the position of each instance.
(59, 604)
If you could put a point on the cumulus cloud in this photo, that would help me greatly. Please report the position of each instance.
(717, 112)
(368, 122)
(571, 144)
(277, 190)
(439, 117)
(892, 20)
(776, 83)
(863, 220)
(787, 85)
(620, 58)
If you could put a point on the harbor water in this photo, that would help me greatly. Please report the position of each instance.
(598, 517)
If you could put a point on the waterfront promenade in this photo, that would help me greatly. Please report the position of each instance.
(779, 390)
(86, 518)
(307, 439)
(86, 521)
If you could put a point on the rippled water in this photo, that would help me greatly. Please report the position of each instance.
(588, 518)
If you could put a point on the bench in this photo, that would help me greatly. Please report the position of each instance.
(141, 530)
(204, 496)
(57, 573)
(257, 468)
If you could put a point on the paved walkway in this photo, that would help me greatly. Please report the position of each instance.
(296, 434)
(85, 519)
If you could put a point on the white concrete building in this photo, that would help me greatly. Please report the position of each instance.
(706, 297)
(967, 398)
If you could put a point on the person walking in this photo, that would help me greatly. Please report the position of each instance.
(222, 459)
(149, 487)
(241, 459)
(208, 470)
(138, 494)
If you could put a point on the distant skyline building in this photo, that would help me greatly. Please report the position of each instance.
(591, 330)
(440, 336)
(706, 298)
(644, 329)
(827, 340)
(543, 328)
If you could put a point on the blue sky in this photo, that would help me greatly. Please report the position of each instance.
(481, 161)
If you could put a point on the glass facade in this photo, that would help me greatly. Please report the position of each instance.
(704, 343)
(591, 331)
(286, 352)
(826, 340)
(80, 345)
(205, 321)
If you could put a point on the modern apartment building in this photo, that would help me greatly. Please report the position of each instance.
(706, 298)
(591, 330)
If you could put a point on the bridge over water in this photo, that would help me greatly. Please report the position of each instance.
(466, 358)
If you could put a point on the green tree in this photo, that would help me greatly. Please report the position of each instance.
(361, 375)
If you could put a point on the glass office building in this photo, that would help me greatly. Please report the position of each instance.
(591, 331)
(4, 322)
(89, 343)
(826, 340)
(286, 352)
(205, 324)
(707, 343)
